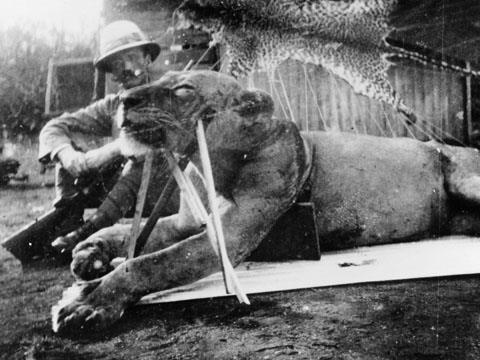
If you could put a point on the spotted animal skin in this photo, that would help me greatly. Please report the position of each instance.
(345, 37)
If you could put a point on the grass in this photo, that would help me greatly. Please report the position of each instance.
(21, 202)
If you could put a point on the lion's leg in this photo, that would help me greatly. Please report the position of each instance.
(466, 188)
(465, 222)
(245, 223)
(172, 229)
(92, 257)
(461, 168)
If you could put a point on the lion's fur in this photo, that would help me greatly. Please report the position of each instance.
(366, 189)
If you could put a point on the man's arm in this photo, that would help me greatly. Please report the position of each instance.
(96, 119)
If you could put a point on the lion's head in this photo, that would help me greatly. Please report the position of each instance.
(164, 113)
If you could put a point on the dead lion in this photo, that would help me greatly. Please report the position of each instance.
(368, 190)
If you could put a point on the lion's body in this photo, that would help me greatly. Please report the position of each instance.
(371, 190)
(367, 190)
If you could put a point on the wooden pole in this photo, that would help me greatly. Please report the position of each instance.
(48, 92)
(142, 194)
(198, 210)
(212, 195)
(468, 106)
(99, 85)
(232, 283)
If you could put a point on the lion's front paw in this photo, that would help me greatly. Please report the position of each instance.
(90, 261)
(84, 307)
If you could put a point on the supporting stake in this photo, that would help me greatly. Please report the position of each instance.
(157, 210)
(232, 280)
(142, 194)
(468, 128)
(200, 213)
(212, 194)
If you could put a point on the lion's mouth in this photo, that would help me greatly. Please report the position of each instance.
(136, 140)
(153, 136)
(146, 125)
(144, 129)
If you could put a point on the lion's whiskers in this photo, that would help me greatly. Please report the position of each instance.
(163, 119)
(159, 117)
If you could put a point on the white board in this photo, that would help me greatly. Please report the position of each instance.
(423, 259)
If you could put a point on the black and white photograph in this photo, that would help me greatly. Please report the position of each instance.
(240, 179)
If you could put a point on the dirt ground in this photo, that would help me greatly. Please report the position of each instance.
(427, 319)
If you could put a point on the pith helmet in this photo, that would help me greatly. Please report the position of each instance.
(122, 35)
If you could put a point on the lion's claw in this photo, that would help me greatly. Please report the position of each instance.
(73, 317)
(77, 311)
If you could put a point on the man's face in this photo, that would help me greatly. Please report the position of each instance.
(129, 67)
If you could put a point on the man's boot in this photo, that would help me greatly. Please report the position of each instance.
(120, 202)
(33, 241)
(115, 205)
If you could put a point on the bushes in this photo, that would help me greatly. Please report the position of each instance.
(24, 56)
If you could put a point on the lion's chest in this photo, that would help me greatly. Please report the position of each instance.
(269, 170)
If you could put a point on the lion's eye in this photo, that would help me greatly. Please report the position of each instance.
(183, 92)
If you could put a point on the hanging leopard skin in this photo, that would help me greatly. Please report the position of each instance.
(346, 37)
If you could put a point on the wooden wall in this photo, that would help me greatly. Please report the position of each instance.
(318, 100)
(69, 85)
(314, 98)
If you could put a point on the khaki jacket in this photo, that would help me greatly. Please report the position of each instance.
(83, 129)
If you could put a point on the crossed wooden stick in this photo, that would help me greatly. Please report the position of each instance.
(213, 222)
(138, 237)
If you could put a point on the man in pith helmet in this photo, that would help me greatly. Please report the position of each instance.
(127, 54)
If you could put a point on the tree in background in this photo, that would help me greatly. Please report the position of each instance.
(24, 56)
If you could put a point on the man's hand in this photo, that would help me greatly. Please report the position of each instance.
(78, 163)
(75, 162)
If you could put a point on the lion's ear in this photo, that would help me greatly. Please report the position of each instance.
(253, 102)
